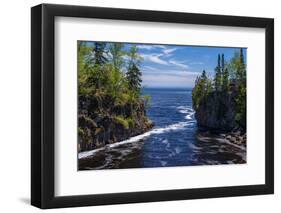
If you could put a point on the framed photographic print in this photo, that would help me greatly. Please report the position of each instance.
(139, 106)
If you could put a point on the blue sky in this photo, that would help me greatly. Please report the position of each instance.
(174, 66)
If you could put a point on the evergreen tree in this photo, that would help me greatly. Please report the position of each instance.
(99, 54)
(241, 97)
(203, 75)
(225, 75)
(96, 65)
(218, 75)
(201, 89)
(222, 63)
(225, 80)
(133, 74)
(241, 57)
(117, 53)
(134, 57)
(134, 78)
(242, 68)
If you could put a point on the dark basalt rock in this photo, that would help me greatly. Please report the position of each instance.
(217, 112)
(101, 122)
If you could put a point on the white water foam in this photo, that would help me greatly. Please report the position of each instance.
(178, 150)
(186, 110)
(163, 163)
(194, 147)
(189, 116)
(172, 127)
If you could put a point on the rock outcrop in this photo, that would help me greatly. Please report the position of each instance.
(102, 121)
(217, 112)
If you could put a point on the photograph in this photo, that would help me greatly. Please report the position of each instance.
(133, 105)
(156, 105)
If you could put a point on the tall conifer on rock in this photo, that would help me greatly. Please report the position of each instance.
(225, 76)
(218, 75)
(201, 89)
(96, 65)
(133, 74)
(116, 52)
(99, 58)
(225, 80)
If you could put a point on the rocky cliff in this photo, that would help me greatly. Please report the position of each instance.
(102, 121)
(217, 112)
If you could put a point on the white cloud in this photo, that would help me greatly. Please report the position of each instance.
(152, 71)
(146, 47)
(196, 63)
(169, 50)
(165, 49)
(149, 68)
(155, 58)
(160, 46)
(178, 64)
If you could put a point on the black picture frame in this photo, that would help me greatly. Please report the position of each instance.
(43, 102)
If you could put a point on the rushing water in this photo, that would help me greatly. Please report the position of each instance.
(174, 140)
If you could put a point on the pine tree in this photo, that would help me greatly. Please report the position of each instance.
(97, 61)
(201, 89)
(225, 75)
(241, 71)
(218, 75)
(133, 74)
(241, 97)
(117, 53)
(222, 62)
(99, 53)
(134, 78)
(204, 80)
(225, 80)
(241, 56)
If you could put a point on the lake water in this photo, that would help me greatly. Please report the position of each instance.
(173, 141)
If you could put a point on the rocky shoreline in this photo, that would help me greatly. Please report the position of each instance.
(237, 139)
(233, 142)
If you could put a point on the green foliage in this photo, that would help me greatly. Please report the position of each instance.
(146, 99)
(98, 52)
(225, 76)
(80, 132)
(134, 57)
(134, 78)
(203, 86)
(133, 74)
(123, 121)
(233, 66)
(225, 80)
(111, 77)
(241, 106)
(241, 98)
(218, 76)
(116, 54)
